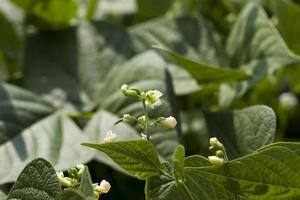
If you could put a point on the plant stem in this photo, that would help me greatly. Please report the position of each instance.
(147, 192)
(146, 120)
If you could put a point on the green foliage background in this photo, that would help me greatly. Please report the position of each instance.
(217, 63)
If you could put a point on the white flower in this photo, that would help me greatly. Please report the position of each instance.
(213, 141)
(169, 122)
(152, 98)
(110, 136)
(216, 161)
(288, 100)
(60, 175)
(144, 136)
(104, 187)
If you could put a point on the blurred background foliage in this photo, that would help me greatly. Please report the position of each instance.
(71, 56)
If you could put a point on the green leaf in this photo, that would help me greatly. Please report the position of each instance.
(18, 110)
(187, 36)
(270, 173)
(54, 12)
(193, 187)
(255, 46)
(3, 195)
(37, 181)
(204, 73)
(286, 11)
(70, 194)
(178, 163)
(139, 157)
(148, 9)
(243, 131)
(86, 186)
(29, 131)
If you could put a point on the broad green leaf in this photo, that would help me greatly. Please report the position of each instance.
(86, 186)
(136, 72)
(193, 38)
(204, 73)
(3, 195)
(55, 138)
(37, 181)
(97, 128)
(18, 110)
(243, 131)
(70, 195)
(255, 46)
(270, 173)
(138, 157)
(193, 187)
(54, 12)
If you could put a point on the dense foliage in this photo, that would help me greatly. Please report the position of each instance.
(227, 69)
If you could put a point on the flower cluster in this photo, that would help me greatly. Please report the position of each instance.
(74, 177)
(220, 156)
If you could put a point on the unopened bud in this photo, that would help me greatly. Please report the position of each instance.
(128, 92)
(216, 144)
(220, 154)
(169, 122)
(216, 161)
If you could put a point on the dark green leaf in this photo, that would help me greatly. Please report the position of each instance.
(138, 157)
(243, 131)
(70, 195)
(270, 173)
(37, 181)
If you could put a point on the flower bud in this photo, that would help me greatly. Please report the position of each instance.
(142, 119)
(216, 161)
(220, 154)
(80, 167)
(169, 122)
(216, 144)
(128, 118)
(110, 136)
(128, 92)
(104, 187)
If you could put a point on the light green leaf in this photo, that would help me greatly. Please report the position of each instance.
(243, 131)
(54, 12)
(193, 38)
(139, 158)
(204, 73)
(37, 181)
(18, 110)
(55, 138)
(3, 196)
(270, 173)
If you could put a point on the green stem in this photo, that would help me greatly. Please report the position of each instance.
(147, 192)
(92, 6)
(146, 120)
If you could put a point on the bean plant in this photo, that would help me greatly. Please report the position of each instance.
(149, 99)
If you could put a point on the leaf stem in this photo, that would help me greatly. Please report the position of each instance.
(147, 189)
